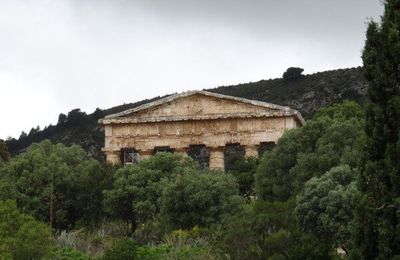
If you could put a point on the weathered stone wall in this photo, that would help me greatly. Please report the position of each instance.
(199, 105)
(197, 118)
(179, 135)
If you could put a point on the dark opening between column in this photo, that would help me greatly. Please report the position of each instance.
(265, 147)
(233, 153)
(163, 149)
(129, 156)
(201, 154)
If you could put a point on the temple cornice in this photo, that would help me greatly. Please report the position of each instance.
(133, 120)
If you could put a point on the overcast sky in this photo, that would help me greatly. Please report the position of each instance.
(59, 55)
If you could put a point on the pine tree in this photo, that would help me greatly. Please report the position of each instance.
(377, 226)
(4, 155)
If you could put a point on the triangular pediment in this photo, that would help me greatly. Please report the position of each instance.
(197, 103)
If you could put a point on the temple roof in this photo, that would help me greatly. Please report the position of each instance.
(273, 110)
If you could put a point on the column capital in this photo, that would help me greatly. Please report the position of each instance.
(216, 148)
(144, 154)
(182, 151)
(113, 157)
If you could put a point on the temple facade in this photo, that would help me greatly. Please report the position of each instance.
(196, 123)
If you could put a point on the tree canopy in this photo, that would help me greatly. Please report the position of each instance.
(21, 236)
(55, 184)
(377, 218)
(325, 208)
(199, 199)
(4, 155)
(293, 73)
(332, 137)
(134, 196)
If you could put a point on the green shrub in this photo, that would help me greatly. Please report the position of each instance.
(137, 189)
(21, 236)
(199, 199)
(66, 253)
(121, 249)
(65, 172)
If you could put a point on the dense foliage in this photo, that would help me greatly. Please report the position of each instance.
(293, 73)
(21, 236)
(325, 208)
(4, 155)
(333, 137)
(377, 233)
(55, 184)
(199, 199)
(296, 202)
(136, 190)
(244, 169)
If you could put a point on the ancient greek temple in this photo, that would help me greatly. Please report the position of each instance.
(199, 124)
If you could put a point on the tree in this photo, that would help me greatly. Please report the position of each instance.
(61, 119)
(333, 136)
(23, 135)
(21, 236)
(136, 190)
(51, 183)
(122, 249)
(199, 199)
(325, 207)
(4, 155)
(267, 230)
(377, 220)
(244, 171)
(293, 73)
(76, 117)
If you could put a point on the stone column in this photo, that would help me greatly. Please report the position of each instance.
(217, 161)
(145, 154)
(113, 157)
(182, 151)
(251, 151)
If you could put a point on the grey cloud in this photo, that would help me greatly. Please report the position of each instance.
(87, 53)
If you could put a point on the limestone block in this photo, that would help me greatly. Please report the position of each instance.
(251, 151)
(217, 161)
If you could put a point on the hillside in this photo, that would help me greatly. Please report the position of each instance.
(306, 94)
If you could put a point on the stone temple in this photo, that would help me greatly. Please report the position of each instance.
(203, 125)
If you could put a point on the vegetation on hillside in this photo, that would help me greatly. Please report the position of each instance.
(167, 207)
(307, 93)
(4, 155)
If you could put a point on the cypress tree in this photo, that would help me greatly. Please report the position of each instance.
(377, 223)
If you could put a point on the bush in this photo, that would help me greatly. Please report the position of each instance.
(244, 171)
(334, 136)
(325, 206)
(126, 249)
(68, 254)
(136, 190)
(199, 199)
(64, 173)
(121, 249)
(293, 73)
(21, 236)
